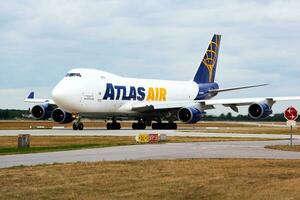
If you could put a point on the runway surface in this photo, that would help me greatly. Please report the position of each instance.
(155, 151)
(237, 149)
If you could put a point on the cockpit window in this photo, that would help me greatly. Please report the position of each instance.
(73, 74)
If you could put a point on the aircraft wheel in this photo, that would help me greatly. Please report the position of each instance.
(80, 126)
(134, 126)
(175, 126)
(117, 126)
(142, 126)
(113, 126)
(155, 126)
(139, 126)
(172, 126)
(108, 126)
(75, 126)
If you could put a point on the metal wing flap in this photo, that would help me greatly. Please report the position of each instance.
(151, 106)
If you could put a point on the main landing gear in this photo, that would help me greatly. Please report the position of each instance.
(140, 125)
(78, 125)
(171, 125)
(113, 126)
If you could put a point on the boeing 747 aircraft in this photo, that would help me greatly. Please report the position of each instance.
(91, 92)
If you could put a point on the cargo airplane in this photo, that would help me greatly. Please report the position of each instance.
(157, 103)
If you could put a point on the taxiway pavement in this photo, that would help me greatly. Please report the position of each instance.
(253, 149)
(234, 149)
(129, 132)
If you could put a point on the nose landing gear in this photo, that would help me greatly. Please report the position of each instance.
(78, 126)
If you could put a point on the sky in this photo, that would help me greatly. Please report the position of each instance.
(165, 39)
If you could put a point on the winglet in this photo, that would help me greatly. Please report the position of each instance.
(31, 95)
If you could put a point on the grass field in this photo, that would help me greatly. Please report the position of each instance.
(58, 143)
(285, 147)
(165, 179)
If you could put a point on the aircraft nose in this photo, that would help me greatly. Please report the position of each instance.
(58, 93)
(66, 96)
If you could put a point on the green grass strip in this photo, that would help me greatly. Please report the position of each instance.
(37, 149)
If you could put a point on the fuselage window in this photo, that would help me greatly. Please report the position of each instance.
(73, 74)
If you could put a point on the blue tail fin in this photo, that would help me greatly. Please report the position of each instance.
(31, 95)
(207, 69)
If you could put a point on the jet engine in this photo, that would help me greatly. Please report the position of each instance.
(189, 115)
(42, 111)
(259, 110)
(62, 117)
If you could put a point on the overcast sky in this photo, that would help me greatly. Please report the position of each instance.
(165, 39)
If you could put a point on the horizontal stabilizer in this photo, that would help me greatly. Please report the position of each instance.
(30, 99)
(235, 88)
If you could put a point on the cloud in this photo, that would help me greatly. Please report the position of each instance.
(41, 40)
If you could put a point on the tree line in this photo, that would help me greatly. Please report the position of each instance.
(12, 113)
(9, 114)
(228, 117)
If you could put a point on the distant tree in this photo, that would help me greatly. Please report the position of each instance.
(229, 116)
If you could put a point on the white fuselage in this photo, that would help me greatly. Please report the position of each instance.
(95, 91)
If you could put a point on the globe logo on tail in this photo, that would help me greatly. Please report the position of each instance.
(210, 57)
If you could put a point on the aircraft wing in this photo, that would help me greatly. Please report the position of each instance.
(31, 99)
(208, 104)
(234, 103)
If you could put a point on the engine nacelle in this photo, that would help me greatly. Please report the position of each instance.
(62, 117)
(259, 110)
(189, 115)
(42, 111)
